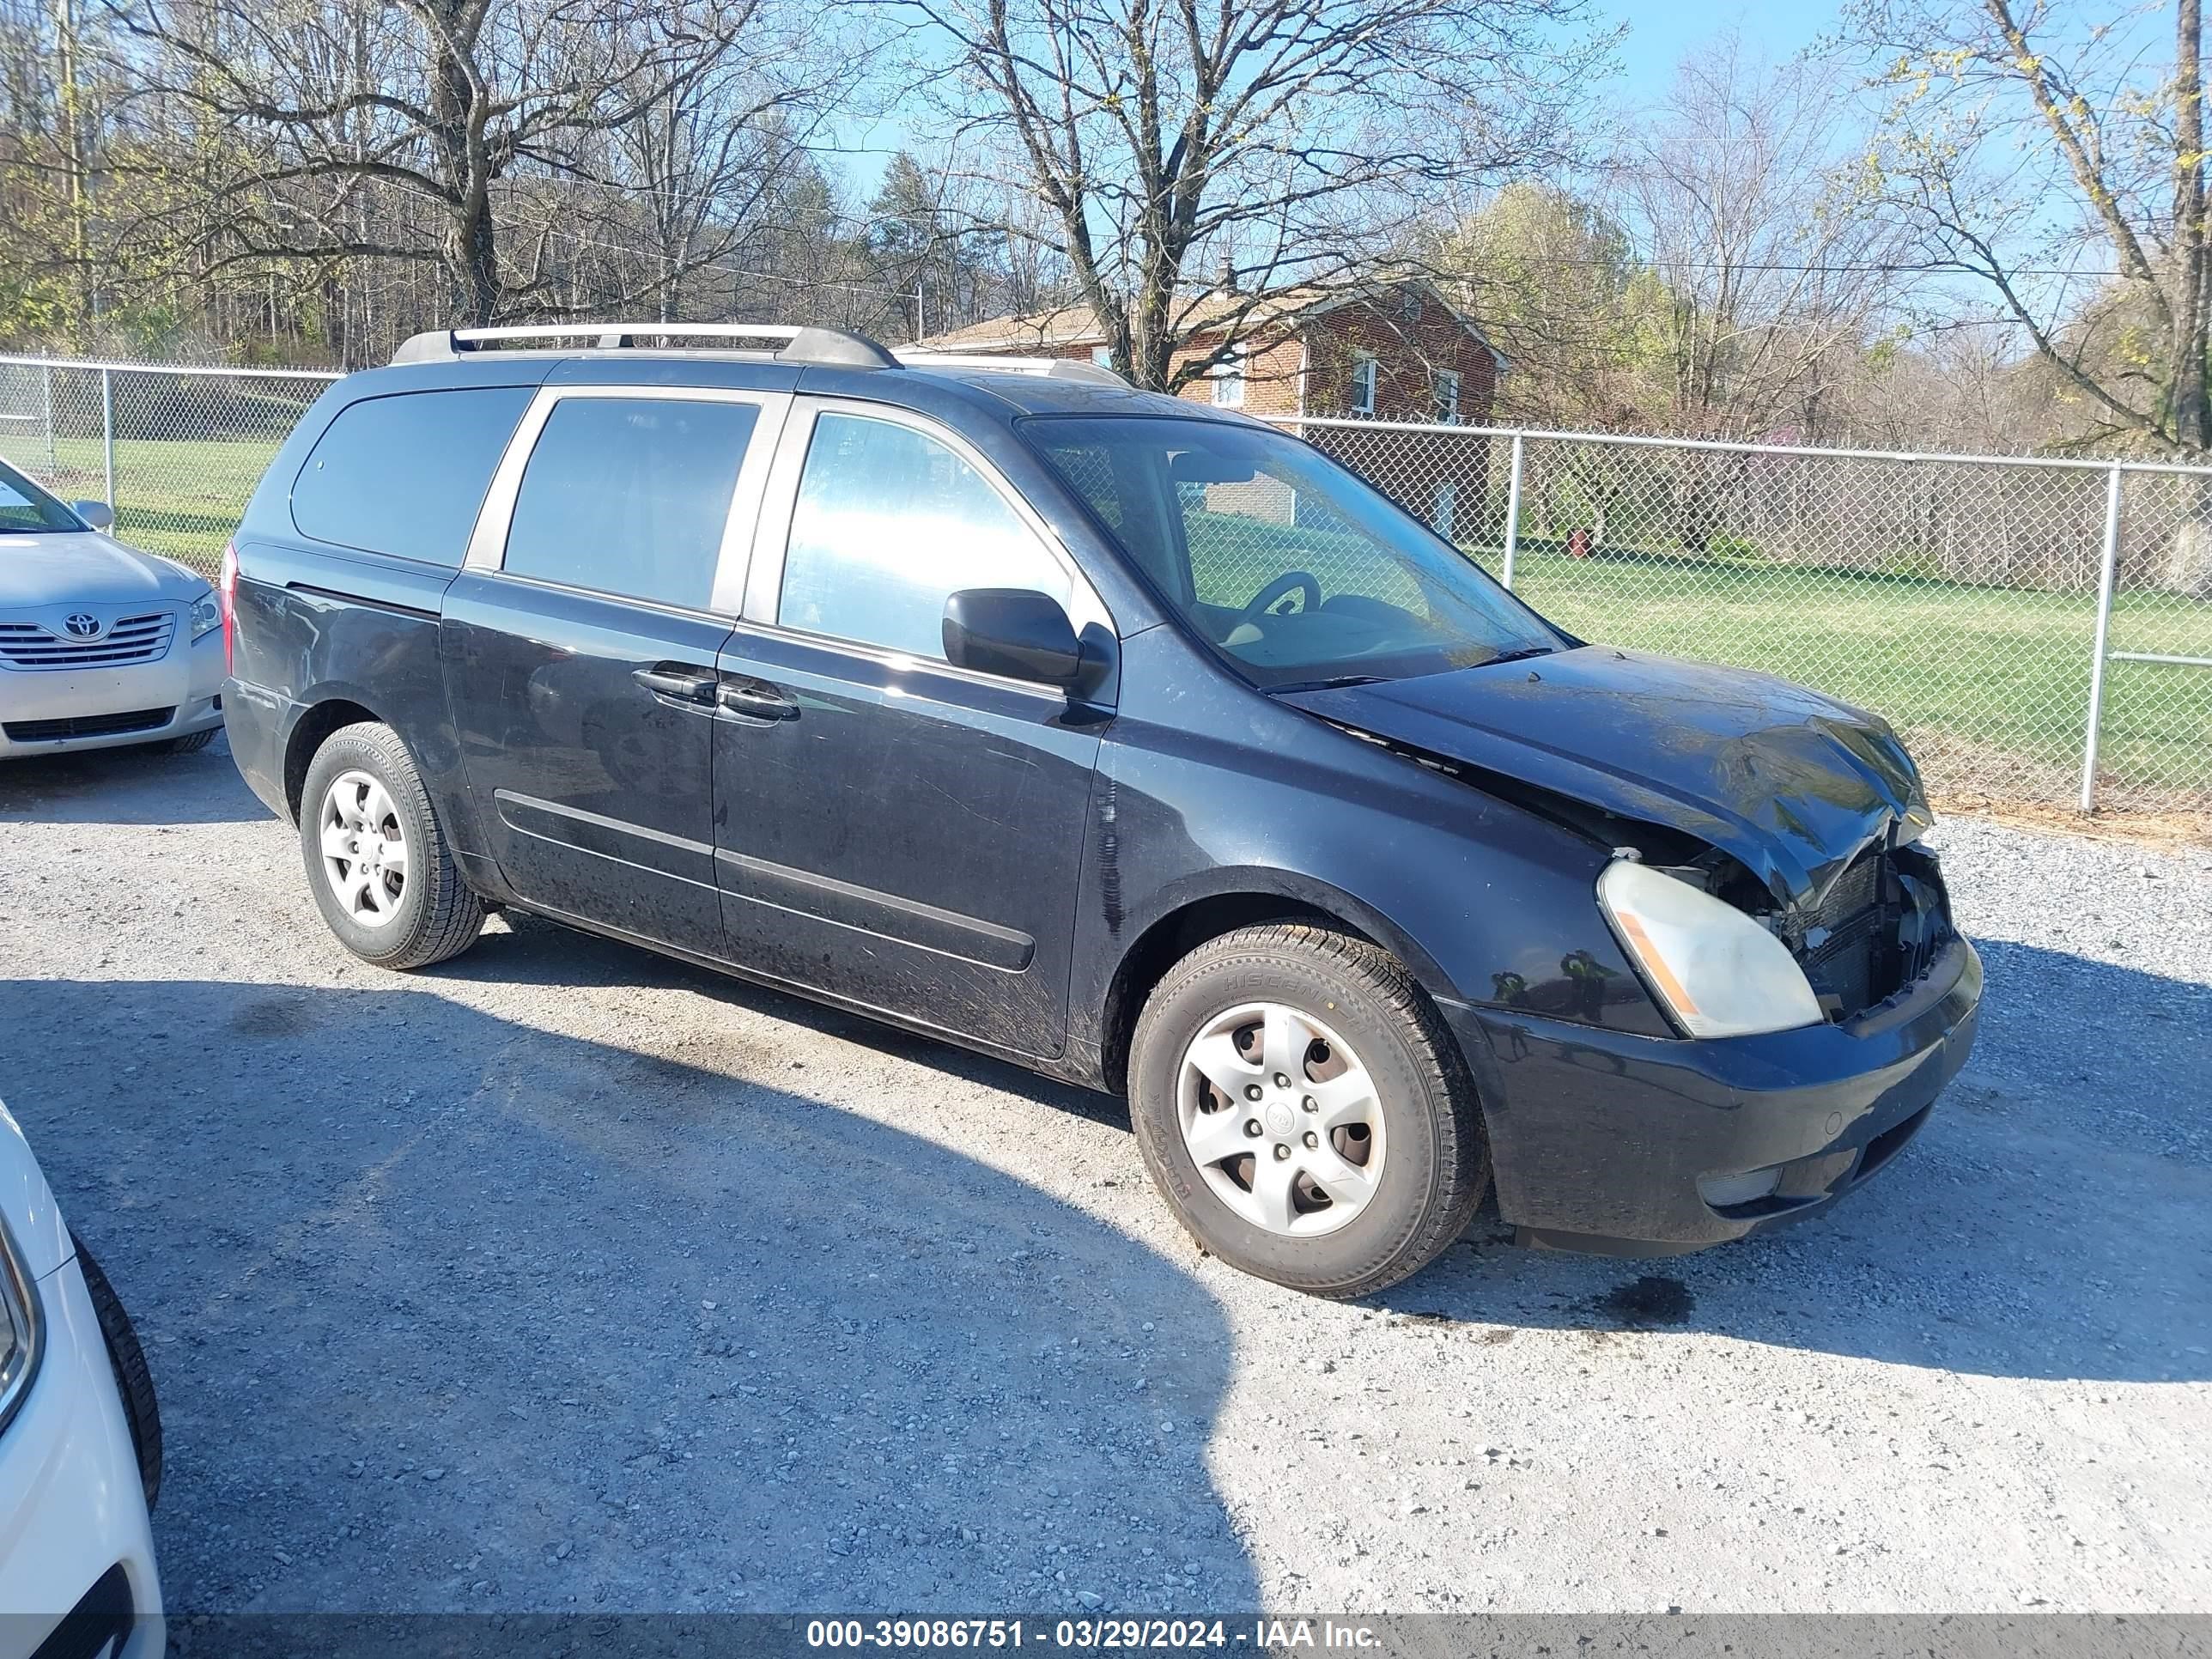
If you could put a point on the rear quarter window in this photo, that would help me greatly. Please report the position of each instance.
(405, 474)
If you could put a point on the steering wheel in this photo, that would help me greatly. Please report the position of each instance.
(1275, 590)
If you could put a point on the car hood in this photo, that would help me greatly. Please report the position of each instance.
(1793, 784)
(82, 567)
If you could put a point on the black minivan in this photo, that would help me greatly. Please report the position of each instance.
(1132, 740)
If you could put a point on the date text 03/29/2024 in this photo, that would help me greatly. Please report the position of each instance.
(1261, 1635)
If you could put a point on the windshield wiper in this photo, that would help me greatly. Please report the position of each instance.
(1521, 654)
(1329, 684)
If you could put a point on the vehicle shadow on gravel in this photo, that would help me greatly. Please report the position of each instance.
(128, 786)
(450, 1312)
(2053, 1220)
(529, 951)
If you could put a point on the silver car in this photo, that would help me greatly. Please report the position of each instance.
(100, 645)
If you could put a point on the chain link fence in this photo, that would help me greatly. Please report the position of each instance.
(2039, 630)
(175, 451)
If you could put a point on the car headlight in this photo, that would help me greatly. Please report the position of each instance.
(1717, 970)
(20, 1335)
(207, 616)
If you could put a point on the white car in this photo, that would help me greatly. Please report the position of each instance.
(80, 1441)
(100, 645)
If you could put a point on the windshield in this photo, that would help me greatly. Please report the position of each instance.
(1287, 564)
(24, 505)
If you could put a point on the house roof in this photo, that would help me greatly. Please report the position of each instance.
(1079, 325)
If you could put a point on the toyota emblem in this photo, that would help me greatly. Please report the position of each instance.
(82, 625)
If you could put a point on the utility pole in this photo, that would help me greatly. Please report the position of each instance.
(2192, 315)
(65, 28)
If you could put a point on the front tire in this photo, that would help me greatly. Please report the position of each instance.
(382, 876)
(134, 1381)
(1304, 1112)
(192, 742)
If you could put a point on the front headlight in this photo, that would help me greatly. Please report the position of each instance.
(20, 1331)
(1717, 970)
(207, 616)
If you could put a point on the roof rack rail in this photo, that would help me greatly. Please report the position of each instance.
(829, 346)
(1049, 368)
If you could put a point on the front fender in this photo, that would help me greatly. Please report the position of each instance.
(1295, 888)
(1487, 903)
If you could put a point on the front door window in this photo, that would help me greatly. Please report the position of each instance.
(888, 524)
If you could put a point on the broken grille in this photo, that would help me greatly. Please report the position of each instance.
(1876, 930)
(1844, 966)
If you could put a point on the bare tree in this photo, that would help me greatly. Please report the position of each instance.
(1967, 388)
(449, 102)
(1288, 141)
(57, 104)
(2062, 168)
(695, 180)
(927, 241)
(1770, 270)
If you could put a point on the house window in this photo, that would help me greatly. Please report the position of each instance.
(1102, 356)
(1443, 509)
(1447, 391)
(1409, 303)
(1363, 383)
(1229, 379)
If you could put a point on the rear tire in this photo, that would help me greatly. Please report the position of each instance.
(377, 860)
(134, 1381)
(1364, 1166)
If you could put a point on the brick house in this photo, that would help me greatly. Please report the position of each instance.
(1395, 351)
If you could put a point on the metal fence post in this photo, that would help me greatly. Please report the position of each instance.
(107, 429)
(2105, 577)
(1512, 510)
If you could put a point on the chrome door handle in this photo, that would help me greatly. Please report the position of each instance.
(754, 701)
(670, 679)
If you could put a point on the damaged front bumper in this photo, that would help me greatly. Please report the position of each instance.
(1639, 1145)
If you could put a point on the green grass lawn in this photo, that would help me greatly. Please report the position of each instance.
(182, 499)
(1991, 686)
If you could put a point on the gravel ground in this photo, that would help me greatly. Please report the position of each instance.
(567, 1276)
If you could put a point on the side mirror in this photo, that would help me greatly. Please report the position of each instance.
(1014, 631)
(99, 514)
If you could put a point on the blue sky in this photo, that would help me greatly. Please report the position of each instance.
(1659, 33)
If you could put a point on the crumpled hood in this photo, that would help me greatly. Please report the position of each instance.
(82, 567)
(1793, 784)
